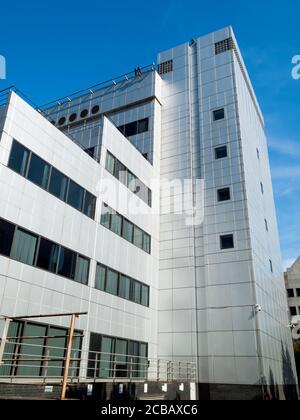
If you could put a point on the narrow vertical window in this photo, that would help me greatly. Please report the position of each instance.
(19, 158)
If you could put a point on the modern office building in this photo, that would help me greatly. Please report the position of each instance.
(292, 284)
(189, 273)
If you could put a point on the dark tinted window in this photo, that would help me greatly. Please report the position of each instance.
(124, 287)
(224, 194)
(221, 152)
(227, 242)
(75, 195)
(135, 127)
(61, 121)
(293, 311)
(145, 295)
(82, 270)
(58, 184)
(127, 231)
(298, 292)
(219, 114)
(137, 288)
(120, 172)
(89, 205)
(6, 237)
(67, 263)
(24, 246)
(112, 279)
(143, 125)
(146, 243)
(290, 293)
(19, 158)
(48, 255)
(38, 171)
(100, 277)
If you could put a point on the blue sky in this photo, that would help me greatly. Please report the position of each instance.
(55, 48)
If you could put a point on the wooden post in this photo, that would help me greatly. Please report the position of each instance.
(4, 339)
(68, 357)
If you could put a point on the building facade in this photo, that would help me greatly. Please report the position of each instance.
(292, 284)
(189, 272)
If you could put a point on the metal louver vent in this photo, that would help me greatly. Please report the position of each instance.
(225, 45)
(165, 67)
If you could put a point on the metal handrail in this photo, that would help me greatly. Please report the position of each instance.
(90, 90)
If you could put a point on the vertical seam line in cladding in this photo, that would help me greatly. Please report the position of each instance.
(257, 333)
(191, 58)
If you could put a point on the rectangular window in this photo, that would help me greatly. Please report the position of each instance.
(127, 231)
(110, 163)
(116, 224)
(293, 311)
(290, 293)
(120, 172)
(47, 256)
(106, 216)
(38, 171)
(89, 205)
(136, 292)
(58, 184)
(112, 282)
(227, 242)
(18, 160)
(82, 270)
(24, 246)
(143, 125)
(67, 263)
(7, 231)
(145, 295)
(138, 237)
(100, 277)
(135, 127)
(219, 114)
(124, 287)
(221, 152)
(146, 243)
(75, 195)
(224, 194)
(298, 292)
(131, 182)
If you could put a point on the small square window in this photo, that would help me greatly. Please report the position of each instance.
(224, 194)
(227, 242)
(219, 114)
(290, 293)
(293, 311)
(221, 152)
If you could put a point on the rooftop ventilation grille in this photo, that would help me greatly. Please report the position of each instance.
(225, 45)
(165, 67)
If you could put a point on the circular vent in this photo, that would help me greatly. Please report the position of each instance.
(84, 113)
(95, 109)
(73, 117)
(61, 121)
